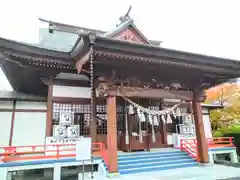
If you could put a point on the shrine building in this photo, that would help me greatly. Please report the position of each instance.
(119, 87)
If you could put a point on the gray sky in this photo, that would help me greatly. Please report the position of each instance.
(202, 26)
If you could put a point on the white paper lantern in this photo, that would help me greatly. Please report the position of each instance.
(66, 118)
(193, 129)
(59, 131)
(186, 130)
(72, 131)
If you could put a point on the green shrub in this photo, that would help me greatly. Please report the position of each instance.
(232, 131)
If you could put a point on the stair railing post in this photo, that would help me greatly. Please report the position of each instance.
(181, 144)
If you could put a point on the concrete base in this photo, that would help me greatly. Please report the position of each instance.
(3, 173)
(113, 175)
(57, 172)
(205, 164)
(231, 151)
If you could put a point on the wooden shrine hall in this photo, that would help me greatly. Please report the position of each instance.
(118, 67)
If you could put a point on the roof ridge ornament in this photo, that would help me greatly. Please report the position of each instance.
(126, 17)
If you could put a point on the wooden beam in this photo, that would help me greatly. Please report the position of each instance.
(71, 100)
(202, 146)
(81, 62)
(112, 134)
(77, 83)
(151, 93)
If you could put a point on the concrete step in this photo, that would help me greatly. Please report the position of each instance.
(157, 168)
(150, 155)
(122, 155)
(151, 159)
(138, 162)
(154, 163)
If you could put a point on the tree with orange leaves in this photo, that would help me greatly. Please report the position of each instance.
(227, 94)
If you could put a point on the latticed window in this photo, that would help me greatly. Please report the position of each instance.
(102, 118)
(82, 116)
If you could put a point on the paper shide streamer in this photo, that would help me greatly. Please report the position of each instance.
(152, 116)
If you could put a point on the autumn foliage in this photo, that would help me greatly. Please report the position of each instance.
(227, 94)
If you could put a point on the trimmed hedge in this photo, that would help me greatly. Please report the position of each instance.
(232, 131)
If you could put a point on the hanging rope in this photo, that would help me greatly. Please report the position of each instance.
(152, 112)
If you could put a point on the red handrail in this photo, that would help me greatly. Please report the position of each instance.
(220, 141)
(103, 153)
(36, 152)
(190, 145)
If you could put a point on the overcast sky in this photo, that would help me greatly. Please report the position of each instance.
(202, 26)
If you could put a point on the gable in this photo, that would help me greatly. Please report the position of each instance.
(130, 34)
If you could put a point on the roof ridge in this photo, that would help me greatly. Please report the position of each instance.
(63, 25)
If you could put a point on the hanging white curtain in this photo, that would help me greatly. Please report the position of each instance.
(130, 109)
(178, 112)
(169, 119)
(163, 118)
(126, 125)
(141, 119)
(150, 119)
(155, 120)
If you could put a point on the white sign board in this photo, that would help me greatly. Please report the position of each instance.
(67, 145)
(83, 149)
(177, 139)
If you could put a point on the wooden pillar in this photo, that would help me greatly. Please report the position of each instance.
(163, 126)
(49, 109)
(202, 146)
(12, 123)
(112, 134)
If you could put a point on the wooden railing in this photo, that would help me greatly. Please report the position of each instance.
(190, 145)
(41, 152)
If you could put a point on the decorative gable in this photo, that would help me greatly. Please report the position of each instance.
(129, 34)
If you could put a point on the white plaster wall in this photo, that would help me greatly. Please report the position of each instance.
(207, 126)
(169, 139)
(71, 91)
(29, 127)
(6, 104)
(207, 122)
(5, 122)
(31, 105)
